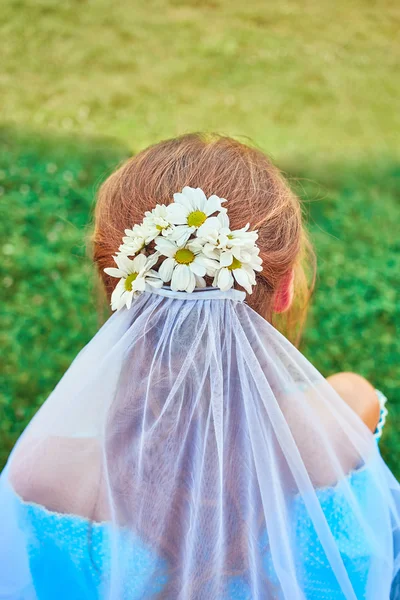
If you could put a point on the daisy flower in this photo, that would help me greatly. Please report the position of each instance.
(157, 222)
(190, 210)
(135, 240)
(241, 271)
(185, 265)
(217, 235)
(133, 276)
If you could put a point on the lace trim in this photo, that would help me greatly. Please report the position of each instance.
(383, 414)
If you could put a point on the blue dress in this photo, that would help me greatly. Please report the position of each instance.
(71, 562)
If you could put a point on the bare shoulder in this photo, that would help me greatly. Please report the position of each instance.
(313, 424)
(63, 474)
(359, 394)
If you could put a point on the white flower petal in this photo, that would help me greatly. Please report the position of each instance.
(210, 264)
(195, 246)
(201, 199)
(192, 282)
(243, 279)
(178, 214)
(167, 231)
(154, 274)
(128, 299)
(139, 285)
(200, 281)
(180, 278)
(223, 240)
(117, 297)
(245, 237)
(166, 247)
(226, 259)
(117, 302)
(255, 262)
(185, 276)
(184, 200)
(114, 272)
(158, 217)
(241, 254)
(160, 210)
(155, 282)
(137, 230)
(197, 267)
(152, 260)
(211, 252)
(124, 263)
(196, 196)
(139, 262)
(166, 268)
(223, 218)
(181, 234)
(211, 224)
(225, 279)
(152, 234)
(131, 246)
(213, 205)
(251, 274)
(175, 281)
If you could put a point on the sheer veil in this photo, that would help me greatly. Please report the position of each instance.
(214, 457)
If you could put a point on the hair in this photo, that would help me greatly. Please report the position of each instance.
(256, 193)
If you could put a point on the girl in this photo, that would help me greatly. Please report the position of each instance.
(190, 451)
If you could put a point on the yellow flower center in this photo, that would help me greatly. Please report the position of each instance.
(159, 227)
(196, 218)
(184, 256)
(236, 264)
(129, 280)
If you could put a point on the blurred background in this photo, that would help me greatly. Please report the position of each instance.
(86, 83)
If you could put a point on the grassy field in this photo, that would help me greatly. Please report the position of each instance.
(84, 84)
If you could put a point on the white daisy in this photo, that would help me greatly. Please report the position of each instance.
(157, 222)
(133, 276)
(185, 265)
(190, 210)
(217, 235)
(241, 271)
(135, 240)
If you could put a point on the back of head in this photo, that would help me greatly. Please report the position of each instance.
(256, 192)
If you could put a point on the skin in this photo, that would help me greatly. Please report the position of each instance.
(355, 390)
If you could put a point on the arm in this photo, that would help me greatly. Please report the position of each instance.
(360, 395)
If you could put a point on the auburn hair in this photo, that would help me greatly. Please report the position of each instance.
(256, 193)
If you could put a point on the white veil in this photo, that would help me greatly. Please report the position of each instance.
(206, 459)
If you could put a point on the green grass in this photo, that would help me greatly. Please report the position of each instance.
(311, 79)
(82, 84)
(355, 315)
(49, 312)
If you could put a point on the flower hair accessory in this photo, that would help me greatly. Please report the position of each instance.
(181, 244)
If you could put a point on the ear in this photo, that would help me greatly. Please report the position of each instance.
(284, 294)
